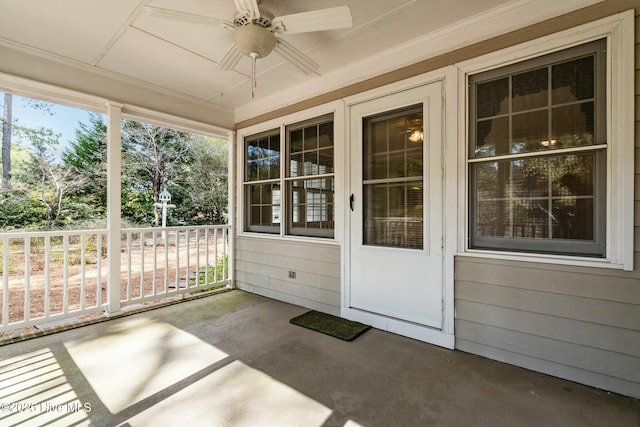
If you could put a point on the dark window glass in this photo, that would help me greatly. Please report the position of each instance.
(540, 194)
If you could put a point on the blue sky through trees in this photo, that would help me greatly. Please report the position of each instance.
(61, 119)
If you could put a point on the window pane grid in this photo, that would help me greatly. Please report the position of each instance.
(263, 158)
(532, 111)
(538, 198)
(537, 158)
(264, 203)
(308, 180)
(312, 206)
(311, 150)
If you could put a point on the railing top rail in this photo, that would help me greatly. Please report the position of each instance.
(56, 233)
(179, 227)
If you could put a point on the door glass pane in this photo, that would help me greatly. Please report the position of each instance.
(393, 183)
(394, 215)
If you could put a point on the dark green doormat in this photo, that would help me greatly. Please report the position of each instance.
(338, 327)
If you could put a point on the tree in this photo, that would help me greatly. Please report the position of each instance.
(86, 157)
(44, 180)
(50, 193)
(205, 182)
(6, 142)
(153, 156)
(7, 129)
(17, 210)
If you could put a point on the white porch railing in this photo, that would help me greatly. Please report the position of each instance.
(50, 276)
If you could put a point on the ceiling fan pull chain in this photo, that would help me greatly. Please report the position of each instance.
(254, 56)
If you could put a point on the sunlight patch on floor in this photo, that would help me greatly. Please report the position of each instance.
(139, 357)
(236, 395)
(34, 391)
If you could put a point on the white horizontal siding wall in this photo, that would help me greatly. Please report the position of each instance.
(263, 265)
(582, 324)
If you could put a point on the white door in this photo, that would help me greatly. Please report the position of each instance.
(396, 207)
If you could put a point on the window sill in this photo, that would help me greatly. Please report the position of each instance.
(289, 239)
(574, 261)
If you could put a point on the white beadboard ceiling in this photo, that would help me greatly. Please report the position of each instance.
(118, 37)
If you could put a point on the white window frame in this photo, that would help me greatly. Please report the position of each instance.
(619, 32)
(337, 109)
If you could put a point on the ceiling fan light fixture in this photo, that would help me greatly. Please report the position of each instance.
(255, 28)
(254, 39)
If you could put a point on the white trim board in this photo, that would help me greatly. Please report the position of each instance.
(27, 57)
(335, 107)
(51, 93)
(445, 336)
(411, 330)
(492, 23)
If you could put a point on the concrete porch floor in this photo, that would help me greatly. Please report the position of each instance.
(235, 360)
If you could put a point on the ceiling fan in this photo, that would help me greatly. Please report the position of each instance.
(255, 28)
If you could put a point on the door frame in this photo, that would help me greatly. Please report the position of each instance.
(443, 337)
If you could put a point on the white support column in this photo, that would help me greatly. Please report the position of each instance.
(231, 202)
(114, 182)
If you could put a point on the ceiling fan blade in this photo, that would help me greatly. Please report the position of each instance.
(315, 20)
(187, 17)
(297, 58)
(249, 7)
(230, 58)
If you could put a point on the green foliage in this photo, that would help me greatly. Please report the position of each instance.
(216, 273)
(87, 157)
(19, 212)
(204, 187)
(137, 206)
(70, 192)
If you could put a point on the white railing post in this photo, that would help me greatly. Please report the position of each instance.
(231, 192)
(5, 281)
(114, 166)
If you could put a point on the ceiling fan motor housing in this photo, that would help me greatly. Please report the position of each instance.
(254, 39)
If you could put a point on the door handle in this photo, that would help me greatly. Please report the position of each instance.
(351, 199)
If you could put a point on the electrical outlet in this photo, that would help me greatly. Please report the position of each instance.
(292, 275)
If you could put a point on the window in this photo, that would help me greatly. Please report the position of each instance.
(538, 153)
(262, 182)
(309, 180)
